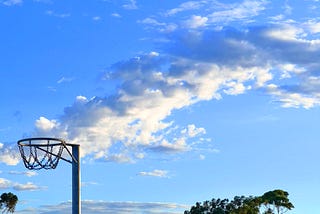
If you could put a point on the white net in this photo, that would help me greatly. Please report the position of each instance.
(41, 153)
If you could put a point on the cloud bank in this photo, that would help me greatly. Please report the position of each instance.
(206, 55)
(93, 207)
(29, 186)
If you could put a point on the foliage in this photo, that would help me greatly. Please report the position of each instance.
(268, 203)
(8, 202)
(276, 200)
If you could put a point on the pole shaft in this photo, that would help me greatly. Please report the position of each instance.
(76, 201)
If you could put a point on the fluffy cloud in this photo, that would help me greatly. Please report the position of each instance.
(7, 184)
(131, 5)
(155, 173)
(238, 11)
(201, 66)
(45, 125)
(217, 13)
(291, 99)
(196, 64)
(26, 173)
(189, 5)
(29, 186)
(116, 15)
(313, 26)
(94, 207)
(9, 154)
(193, 131)
(151, 21)
(12, 2)
(134, 118)
(196, 22)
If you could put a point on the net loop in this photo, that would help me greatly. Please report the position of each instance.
(41, 153)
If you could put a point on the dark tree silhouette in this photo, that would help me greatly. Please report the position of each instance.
(268, 203)
(239, 205)
(8, 202)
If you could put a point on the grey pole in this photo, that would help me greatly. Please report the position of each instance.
(76, 200)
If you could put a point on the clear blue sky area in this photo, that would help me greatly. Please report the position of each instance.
(172, 102)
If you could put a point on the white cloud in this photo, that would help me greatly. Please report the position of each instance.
(196, 22)
(151, 21)
(168, 28)
(119, 158)
(29, 186)
(131, 5)
(59, 15)
(209, 14)
(293, 100)
(277, 17)
(9, 154)
(26, 173)
(45, 125)
(131, 121)
(162, 27)
(116, 15)
(313, 26)
(287, 8)
(12, 2)
(66, 79)
(238, 11)
(176, 146)
(291, 68)
(196, 65)
(202, 66)
(153, 53)
(53, 89)
(189, 5)
(96, 18)
(129, 117)
(5, 184)
(285, 32)
(96, 207)
(235, 88)
(202, 157)
(88, 183)
(193, 131)
(155, 173)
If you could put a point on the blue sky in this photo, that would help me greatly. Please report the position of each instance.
(172, 102)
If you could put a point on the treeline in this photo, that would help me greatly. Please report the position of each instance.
(272, 202)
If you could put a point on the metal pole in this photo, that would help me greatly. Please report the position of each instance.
(76, 201)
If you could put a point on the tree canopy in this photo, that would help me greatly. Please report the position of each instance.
(8, 202)
(276, 200)
(272, 202)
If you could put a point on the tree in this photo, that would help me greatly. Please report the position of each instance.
(8, 202)
(239, 205)
(245, 205)
(276, 200)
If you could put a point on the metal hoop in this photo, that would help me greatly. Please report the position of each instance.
(45, 153)
(41, 153)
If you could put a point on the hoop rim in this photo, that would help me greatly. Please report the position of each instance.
(60, 140)
(22, 144)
